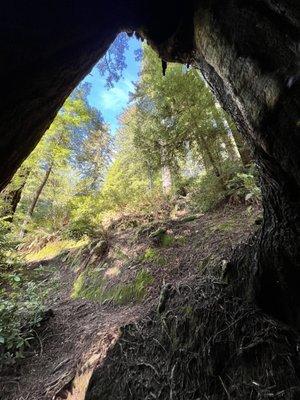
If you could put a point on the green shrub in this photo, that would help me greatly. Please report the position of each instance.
(244, 185)
(79, 228)
(20, 302)
(207, 193)
(238, 184)
(21, 311)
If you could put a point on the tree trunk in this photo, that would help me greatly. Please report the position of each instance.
(150, 176)
(243, 148)
(242, 50)
(166, 178)
(35, 199)
(230, 146)
(39, 191)
(225, 134)
(12, 193)
(207, 154)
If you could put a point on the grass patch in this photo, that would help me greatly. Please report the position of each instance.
(92, 285)
(133, 291)
(53, 249)
(167, 240)
(181, 240)
(152, 255)
(226, 226)
(121, 255)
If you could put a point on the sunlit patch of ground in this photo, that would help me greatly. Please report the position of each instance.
(53, 249)
(113, 271)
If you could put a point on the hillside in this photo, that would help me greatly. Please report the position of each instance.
(115, 280)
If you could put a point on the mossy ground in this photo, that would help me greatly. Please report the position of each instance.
(53, 249)
(93, 285)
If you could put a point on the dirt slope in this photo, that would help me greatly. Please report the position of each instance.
(82, 330)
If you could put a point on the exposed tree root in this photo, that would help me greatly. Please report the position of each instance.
(207, 344)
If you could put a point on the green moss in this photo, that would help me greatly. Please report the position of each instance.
(133, 291)
(53, 249)
(77, 286)
(167, 240)
(91, 285)
(152, 255)
(181, 240)
(189, 218)
(226, 226)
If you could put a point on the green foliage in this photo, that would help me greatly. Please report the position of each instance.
(21, 312)
(7, 245)
(80, 227)
(237, 185)
(207, 192)
(244, 186)
(20, 302)
(76, 150)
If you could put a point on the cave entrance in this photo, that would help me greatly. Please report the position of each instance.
(248, 54)
(134, 136)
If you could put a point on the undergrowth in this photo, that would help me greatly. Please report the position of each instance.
(238, 185)
(21, 302)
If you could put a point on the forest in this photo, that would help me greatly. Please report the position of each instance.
(176, 153)
(153, 254)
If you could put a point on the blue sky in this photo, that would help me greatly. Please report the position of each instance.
(112, 101)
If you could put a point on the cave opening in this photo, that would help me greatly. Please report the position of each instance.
(248, 53)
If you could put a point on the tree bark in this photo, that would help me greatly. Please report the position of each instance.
(166, 179)
(225, 134)
(35, 199)
(150, 176)
(207, 154)
(39, 191)
(12, 194)
(239, 144)
(242, 50)
(243, 148)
